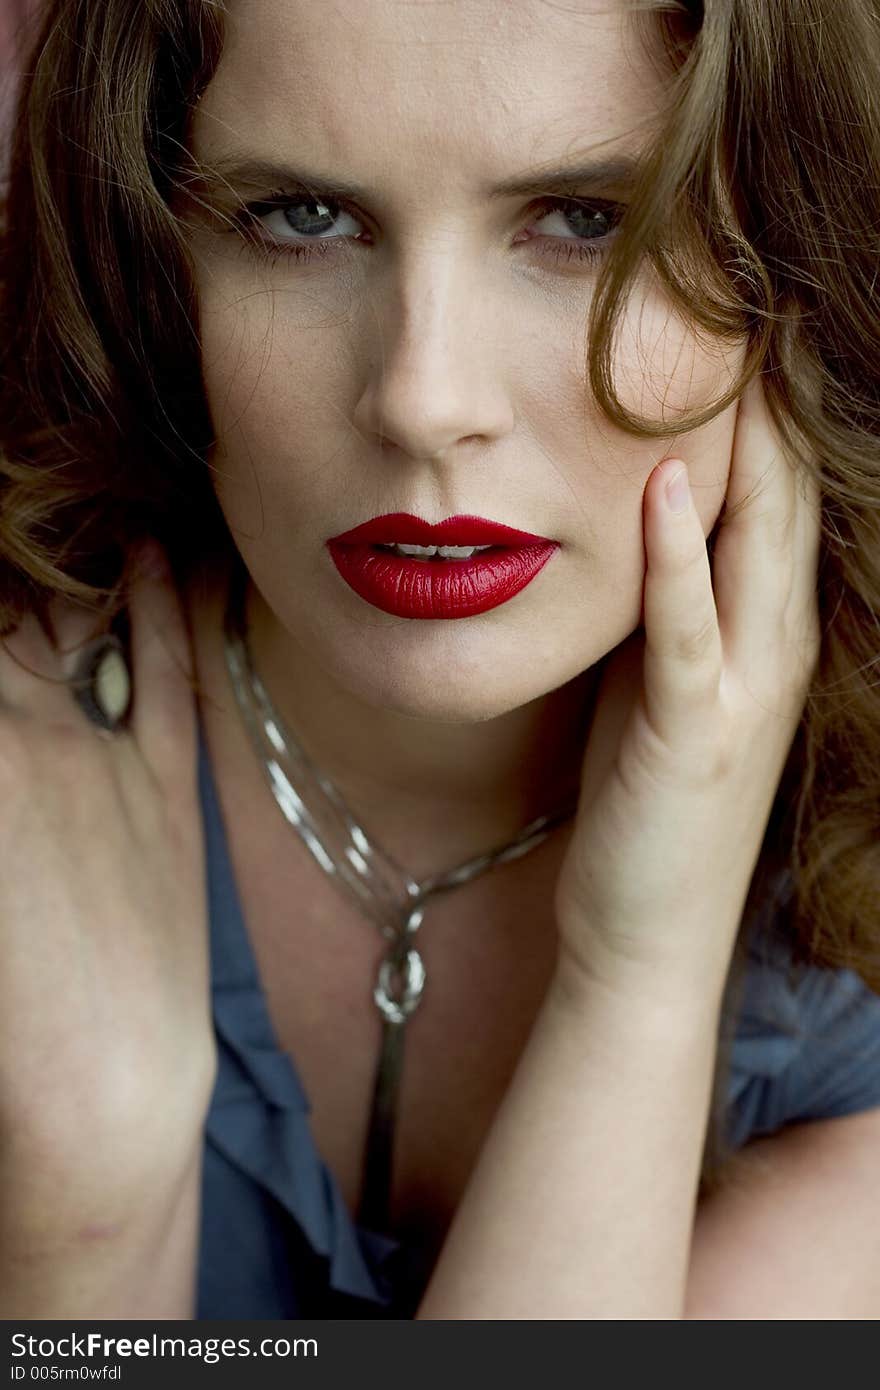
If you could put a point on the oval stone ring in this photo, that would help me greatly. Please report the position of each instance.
(101, 684)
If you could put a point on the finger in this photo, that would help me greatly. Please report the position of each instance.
(163, 720)
(766, 553)
(683, 653)
(808, 548)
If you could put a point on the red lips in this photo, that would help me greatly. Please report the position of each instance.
(438, 588)
(407, 529)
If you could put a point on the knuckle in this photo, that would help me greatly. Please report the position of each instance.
(706, 764)
(707, 771)
(687, 559)
(696, 645)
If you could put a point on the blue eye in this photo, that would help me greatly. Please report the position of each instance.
(311, 221)
(298, 213)
(592, 220)
(307, 217)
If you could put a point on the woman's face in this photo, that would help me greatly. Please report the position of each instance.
(432, 360)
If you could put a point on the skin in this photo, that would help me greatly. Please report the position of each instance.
(439, 370)
(694, 714)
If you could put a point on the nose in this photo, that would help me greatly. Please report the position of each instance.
(436, 378)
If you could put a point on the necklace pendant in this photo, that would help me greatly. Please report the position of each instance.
(375, 1200)
(399, 986)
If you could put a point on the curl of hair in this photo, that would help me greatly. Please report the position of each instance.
(104, 429)
(756, 207)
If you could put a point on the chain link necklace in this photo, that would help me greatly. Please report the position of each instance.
(383, 890)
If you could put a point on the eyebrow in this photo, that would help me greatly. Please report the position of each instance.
(616, 174)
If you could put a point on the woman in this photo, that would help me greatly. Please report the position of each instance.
(276, 271)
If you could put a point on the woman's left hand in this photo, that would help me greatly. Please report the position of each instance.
(694, 719)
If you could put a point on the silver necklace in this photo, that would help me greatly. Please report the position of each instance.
(381, 888)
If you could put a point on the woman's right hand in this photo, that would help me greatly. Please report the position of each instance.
(107, 1053)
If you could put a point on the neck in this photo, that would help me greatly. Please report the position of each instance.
(433, 794)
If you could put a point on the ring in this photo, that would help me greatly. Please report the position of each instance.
(102, 684)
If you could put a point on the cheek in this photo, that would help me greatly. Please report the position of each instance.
(664, 365)
(281, 376)
(665, 369)
(275, 368)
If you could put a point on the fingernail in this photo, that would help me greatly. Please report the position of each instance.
(101, 682)
(678, 491)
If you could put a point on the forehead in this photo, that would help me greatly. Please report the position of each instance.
(478, 87)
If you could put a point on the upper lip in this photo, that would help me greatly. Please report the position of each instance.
(407, 529)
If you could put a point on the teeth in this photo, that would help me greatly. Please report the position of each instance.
(446, 552)
(459, 552)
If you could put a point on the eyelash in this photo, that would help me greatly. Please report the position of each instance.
(565, 250)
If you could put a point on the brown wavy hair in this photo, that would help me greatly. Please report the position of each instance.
(757, 206)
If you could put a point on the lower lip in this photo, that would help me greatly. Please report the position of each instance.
(439, 588)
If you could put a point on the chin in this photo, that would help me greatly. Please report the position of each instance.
(456, 695)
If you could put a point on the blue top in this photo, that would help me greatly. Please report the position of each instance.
(277, 1240)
